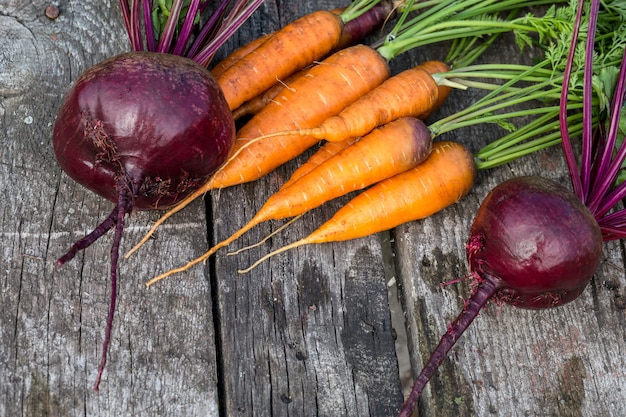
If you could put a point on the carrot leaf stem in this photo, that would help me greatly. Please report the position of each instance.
(450, 20)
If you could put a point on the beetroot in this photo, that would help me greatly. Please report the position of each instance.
(146, 128)
(533, 243)
(153, 126)
(143, 130)
(536, 241)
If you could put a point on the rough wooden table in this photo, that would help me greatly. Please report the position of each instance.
(308, 333)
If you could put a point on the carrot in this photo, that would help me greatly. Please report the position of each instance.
(413, 92)
(347, 35)
(295, 46)
(390, 150)
(325, 152)
(237, 54)
(353, 30)
(352, 71)
(362, 106)
(440, 181)
(258, 103)
(299, 44)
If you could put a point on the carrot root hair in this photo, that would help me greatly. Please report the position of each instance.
(266, 238)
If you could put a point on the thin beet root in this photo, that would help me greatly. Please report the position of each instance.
(89, 239)
(124, 205)
(482, 293)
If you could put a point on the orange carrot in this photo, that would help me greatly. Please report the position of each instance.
(325, 90)
(258, 103)
(325, 152)
(387, 151)
(295, 46)
(309, 48)
(412, 92)
(353, 31)
(440, 181)
(244, 50)
(328, 87)
(237, 54)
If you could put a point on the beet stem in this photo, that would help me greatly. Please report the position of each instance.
(89, 239)
(565, 138)
(148, 24)
(480, 296)
(185, 32)
(123, 206)
(587, 104)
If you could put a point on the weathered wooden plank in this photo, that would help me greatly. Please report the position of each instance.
(162, 358)
(568, 361)
(308, 332)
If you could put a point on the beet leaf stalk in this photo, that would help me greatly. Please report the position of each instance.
(171, 29)
(146, 128)
(534, 243)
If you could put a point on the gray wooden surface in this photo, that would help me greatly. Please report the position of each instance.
(308, 332)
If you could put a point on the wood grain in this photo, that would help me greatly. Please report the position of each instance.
(307, 333)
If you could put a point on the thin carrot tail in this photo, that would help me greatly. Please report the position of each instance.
(264, 258)
(260, 242)
(189, 264)
(179, 206)
(180, 269)
(260, 217)
(315, 132)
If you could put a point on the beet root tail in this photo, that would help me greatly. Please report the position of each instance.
(124, 205)
(89, 239)
(482, 293)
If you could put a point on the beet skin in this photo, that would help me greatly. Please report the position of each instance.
(157, 122)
